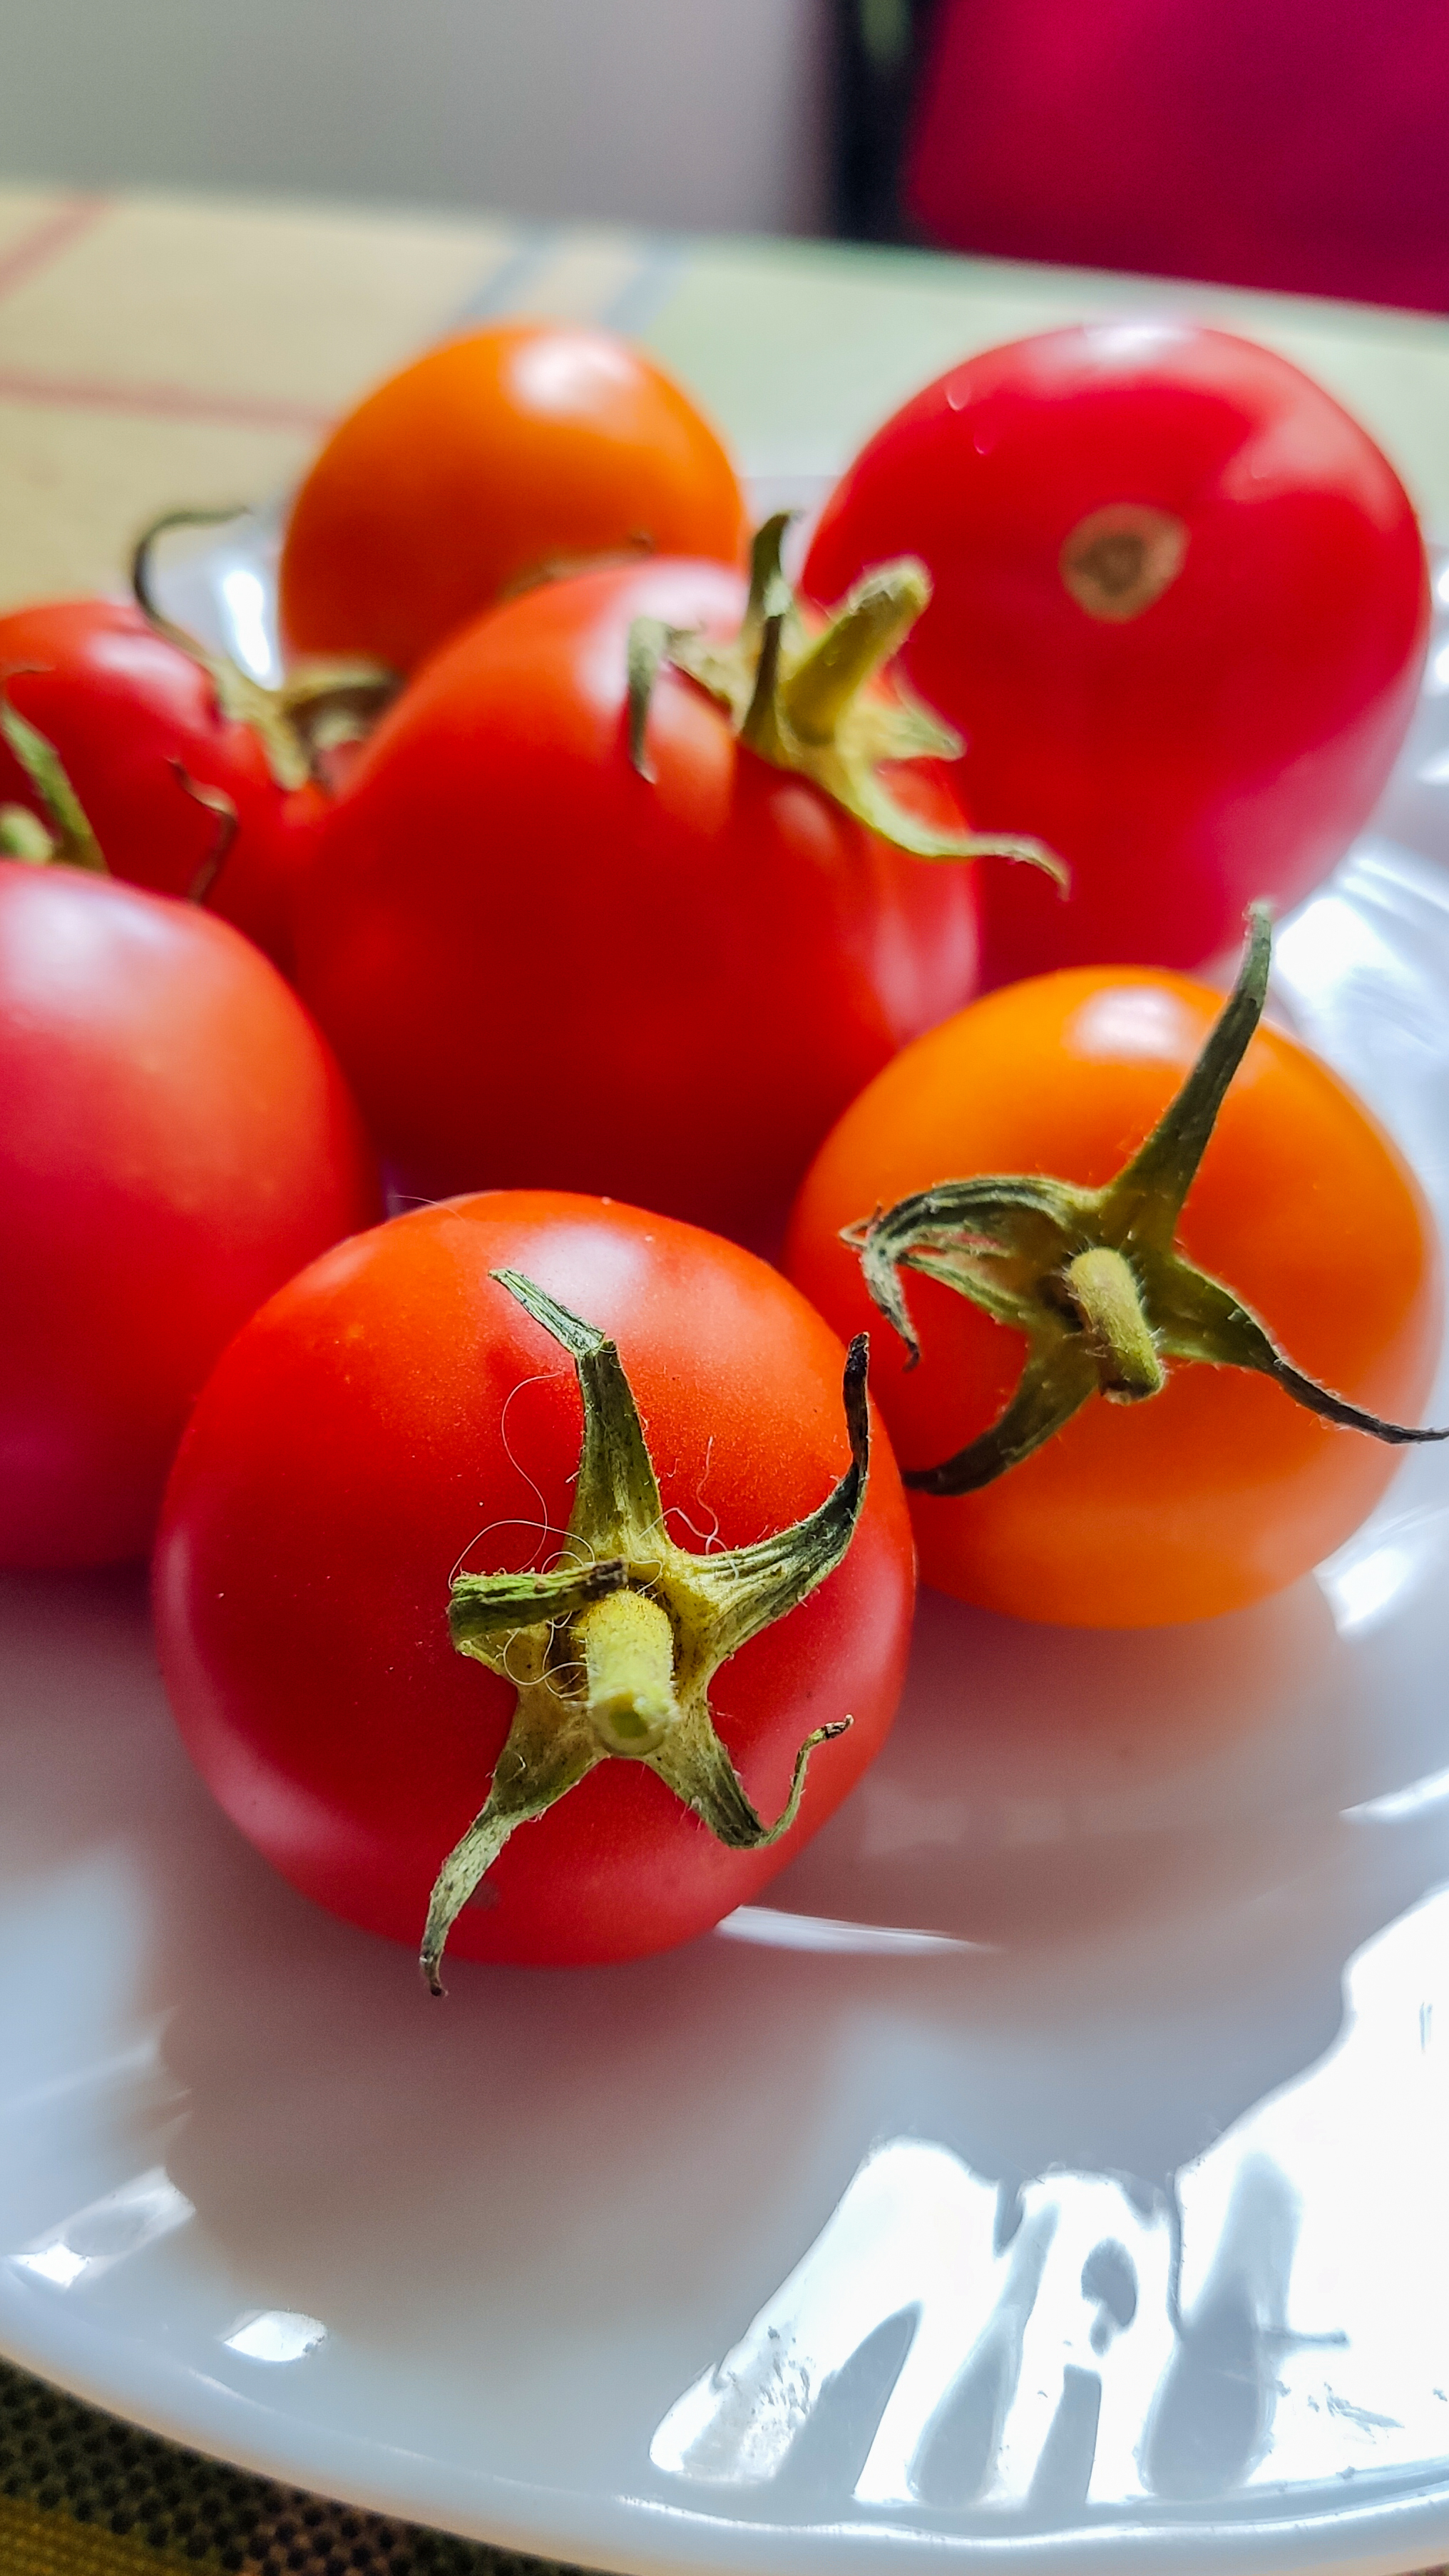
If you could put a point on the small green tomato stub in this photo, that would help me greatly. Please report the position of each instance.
(613, 1650)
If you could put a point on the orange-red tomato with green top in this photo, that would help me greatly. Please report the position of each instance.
(539, 967)
(395, 1415)
(1220, 1489)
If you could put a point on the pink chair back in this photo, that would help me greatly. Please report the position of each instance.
(1301, 144)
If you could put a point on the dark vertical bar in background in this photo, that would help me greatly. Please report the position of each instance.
(879, 53)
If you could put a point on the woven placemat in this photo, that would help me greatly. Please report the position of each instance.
(82, 2494)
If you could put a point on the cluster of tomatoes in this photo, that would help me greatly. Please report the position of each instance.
(688, 956)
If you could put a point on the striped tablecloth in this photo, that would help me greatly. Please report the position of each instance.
(156, 350)
(161, 350)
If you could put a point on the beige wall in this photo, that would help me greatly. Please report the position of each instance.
(680, 113)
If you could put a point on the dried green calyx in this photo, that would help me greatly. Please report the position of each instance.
(1093, 1278)
(613, 1650)
(320, 704)
(805, 702)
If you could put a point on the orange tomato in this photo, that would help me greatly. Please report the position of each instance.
(1220, 1489)
(487, 464)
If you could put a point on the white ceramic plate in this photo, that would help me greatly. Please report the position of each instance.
(1053, 2173)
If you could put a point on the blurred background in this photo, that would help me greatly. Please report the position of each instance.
(691, 114)
(1274, 143)
(222, 220)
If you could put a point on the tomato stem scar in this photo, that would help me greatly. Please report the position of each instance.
(1119, 560)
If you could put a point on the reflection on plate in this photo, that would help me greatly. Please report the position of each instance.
(1052, 2170)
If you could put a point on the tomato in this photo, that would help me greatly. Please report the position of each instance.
(538, 965)
(144, 743)
(395, 1415)
(1220, 1489)
(487, 464)
(1180, 612)
(175, 1141)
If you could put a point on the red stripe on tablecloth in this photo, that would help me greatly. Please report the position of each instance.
(160, 402)
(49, 239)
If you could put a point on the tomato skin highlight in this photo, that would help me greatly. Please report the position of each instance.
(538, 966)
(1221, 745)
(1220, 1490)
(489, 462)
(392, 1413)
(122, 706)
(175, 1141)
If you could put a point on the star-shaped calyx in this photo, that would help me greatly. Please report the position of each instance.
(805, 699)
(613, 1650)
(1094, 1278)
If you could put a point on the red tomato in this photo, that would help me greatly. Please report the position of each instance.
(538, 966)
(1220, 1489)
(1180, 611)
(175, 1141)
(500, 458)
(395, 1413)
(127, 711)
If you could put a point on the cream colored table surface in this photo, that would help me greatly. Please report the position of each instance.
(160, 350)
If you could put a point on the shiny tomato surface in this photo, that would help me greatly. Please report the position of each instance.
(539, 966)
(1220, 1489)
(175, 1141)
(394, 1417)
(499, 459)
(128, 712)
(1180, 611)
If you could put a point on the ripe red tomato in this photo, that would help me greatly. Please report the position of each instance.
(489, 463)
(395, 1414)
(539, 966)
(129, 712)
(1220, 1489)
(175, 1141)
(1180, 610)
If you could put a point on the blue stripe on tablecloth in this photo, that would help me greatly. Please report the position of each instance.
(632, 306)
(500, 289)
(629, 308)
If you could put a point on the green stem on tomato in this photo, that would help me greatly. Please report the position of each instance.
(1093, 1278)
(807, 703)
(24, 836)
(320, 705)
(66, 827)
(612, 1653)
